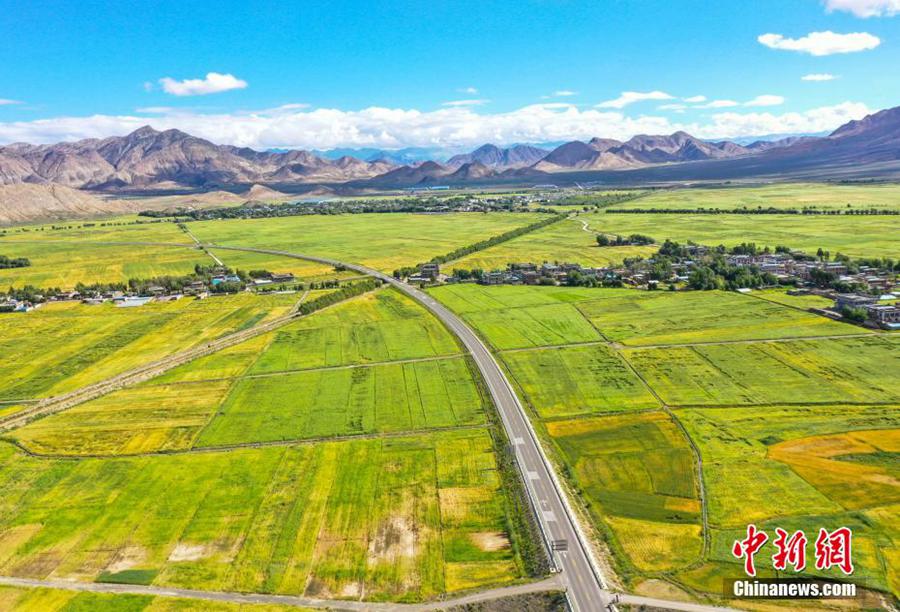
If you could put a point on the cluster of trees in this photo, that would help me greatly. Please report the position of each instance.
(13, 262)
(347, 291)
(601, 199)
(720, 275)
(575, 278)
(30, 293)
(632, 239)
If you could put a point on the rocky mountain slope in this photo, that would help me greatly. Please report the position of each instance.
(147, 158)
(492, 156)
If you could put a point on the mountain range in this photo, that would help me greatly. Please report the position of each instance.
(148, 159)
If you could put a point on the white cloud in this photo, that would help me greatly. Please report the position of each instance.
(865, 8)
(474, 102)
(630, 97)
(695, 99)
(822, 43)
(719, 104)
(155, 110)
(468, 90)
(564, 93)
(820, 76)
(8, 102)
(672, 107)
(823, 119)
(213, 83)
(451, 127)
(765, 100)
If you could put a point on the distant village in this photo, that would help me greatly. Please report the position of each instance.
(864, 292)
(204, 282)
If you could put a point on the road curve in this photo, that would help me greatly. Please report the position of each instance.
(585, 586)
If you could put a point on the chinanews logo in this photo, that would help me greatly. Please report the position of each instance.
(831, 550)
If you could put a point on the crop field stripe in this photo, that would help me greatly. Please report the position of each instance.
(353, 366)
(242, 445)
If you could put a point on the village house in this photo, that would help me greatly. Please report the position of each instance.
(852, 300)
(885, 315)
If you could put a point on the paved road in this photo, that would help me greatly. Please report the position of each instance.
(585, 585)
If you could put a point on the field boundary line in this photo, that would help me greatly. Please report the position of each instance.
(836, 402)
(636, 347)
(224, 448)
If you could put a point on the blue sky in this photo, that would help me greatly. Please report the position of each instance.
(389, 73)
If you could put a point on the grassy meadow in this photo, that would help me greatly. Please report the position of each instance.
(793, 415)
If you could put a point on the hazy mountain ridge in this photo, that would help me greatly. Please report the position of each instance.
(150, 159)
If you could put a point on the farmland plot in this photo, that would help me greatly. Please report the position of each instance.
(347, 401)
(63, 346)
(350, 519)
(804, 371)
(577, 380)
(637, 474)
(647, 318)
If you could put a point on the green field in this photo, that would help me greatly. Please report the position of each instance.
(347, 401)
(65, 345)
(637, 475)
(786, 195)
(382, 241)
(550, 316)
(577, 380)
(857, 236)
(399, 519)
(849, 370)
(64, 264)
(304, 270)
(794, 416)
(289, 384)
(383, 326)
(565, 241)
(126, 228)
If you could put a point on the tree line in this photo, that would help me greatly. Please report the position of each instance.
(13, 262)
